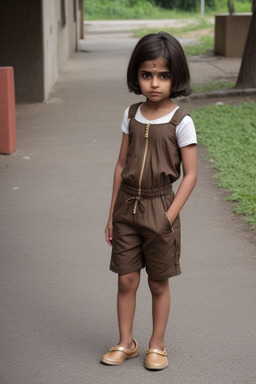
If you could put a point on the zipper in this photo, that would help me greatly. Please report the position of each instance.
(142, 167)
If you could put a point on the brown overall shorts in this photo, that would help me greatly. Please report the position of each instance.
(142, 234)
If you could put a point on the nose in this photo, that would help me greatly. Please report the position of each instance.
(154, 83)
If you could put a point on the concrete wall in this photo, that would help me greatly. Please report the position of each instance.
(231, 33)
(35, 42)
(59, 41)
(51, 26)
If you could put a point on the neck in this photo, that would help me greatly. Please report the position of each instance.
(161, 105)
(153, 110)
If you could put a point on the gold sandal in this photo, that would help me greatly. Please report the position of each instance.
(156, 359)
(117, 355)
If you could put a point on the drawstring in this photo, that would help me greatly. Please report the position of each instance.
(136, 199)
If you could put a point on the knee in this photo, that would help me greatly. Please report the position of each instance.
(128, 283)
(157, 288)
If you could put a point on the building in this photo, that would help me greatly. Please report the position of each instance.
(36, 39)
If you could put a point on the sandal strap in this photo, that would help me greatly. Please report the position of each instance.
(121, 349)
(124, 350)
(157, 351)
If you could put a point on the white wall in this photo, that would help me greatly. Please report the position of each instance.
(58, 42)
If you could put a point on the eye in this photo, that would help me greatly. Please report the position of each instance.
(146, 75)
(165, 76)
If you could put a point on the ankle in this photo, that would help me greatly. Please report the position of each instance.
(128, 344)
(154, 344)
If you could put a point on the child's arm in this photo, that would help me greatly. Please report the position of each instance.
(189, 165)
(116, 184)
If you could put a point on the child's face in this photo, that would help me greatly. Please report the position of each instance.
(155, 80)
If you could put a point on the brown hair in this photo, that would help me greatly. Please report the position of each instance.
(164, 45)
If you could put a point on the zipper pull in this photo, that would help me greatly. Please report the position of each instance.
(147, 131)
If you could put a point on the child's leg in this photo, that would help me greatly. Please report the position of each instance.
(160, 310)
(126, 303)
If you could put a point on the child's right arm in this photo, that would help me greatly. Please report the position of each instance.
(116, 185)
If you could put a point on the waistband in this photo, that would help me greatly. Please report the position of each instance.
(147, 193)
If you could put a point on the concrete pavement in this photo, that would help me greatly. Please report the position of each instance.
(203, 69)
(58, 309)
(106, 29)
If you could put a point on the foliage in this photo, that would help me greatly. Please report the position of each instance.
(117, 9)
(240, 6)
(184, 5)
(155, 9)
(229, 132)
(187, 5)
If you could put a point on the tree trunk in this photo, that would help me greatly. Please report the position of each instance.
(247, 73)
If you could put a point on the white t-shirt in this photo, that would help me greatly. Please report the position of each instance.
(185, 131)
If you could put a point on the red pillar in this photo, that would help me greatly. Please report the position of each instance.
(7, 111)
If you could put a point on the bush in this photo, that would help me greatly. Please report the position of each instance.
(187, 5)
(184, 5)
(194, 5)
(154, 9)
(168, 4)
(114, 10)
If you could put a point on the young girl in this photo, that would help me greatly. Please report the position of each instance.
(144, 225)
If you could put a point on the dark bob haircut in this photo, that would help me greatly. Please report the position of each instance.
(163, 45)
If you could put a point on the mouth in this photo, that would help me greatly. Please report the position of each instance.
(155, 93)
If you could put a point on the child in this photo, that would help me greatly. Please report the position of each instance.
(144, 226)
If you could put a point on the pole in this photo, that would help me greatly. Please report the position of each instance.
(202, 7)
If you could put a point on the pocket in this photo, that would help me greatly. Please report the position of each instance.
(166, 204)
(170, 224)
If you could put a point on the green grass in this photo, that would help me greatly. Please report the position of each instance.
(143, 9)
(202, 47)
(240, 6)
(202, 23)
(213, 86)
(118, 10)
(229, 133)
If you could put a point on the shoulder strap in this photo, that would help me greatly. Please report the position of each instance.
(133, 109)
(178, 117)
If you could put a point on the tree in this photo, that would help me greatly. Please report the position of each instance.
(247, 74)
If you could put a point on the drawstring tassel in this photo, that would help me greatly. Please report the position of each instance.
(136, 200)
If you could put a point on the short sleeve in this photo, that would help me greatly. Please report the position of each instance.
(186, 133)
(125, 122)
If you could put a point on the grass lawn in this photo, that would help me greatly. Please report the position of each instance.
(213, 86)
(204, 46)
(229, 133)
(203, 25)
(198, 24)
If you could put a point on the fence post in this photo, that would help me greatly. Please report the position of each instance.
(7, 111)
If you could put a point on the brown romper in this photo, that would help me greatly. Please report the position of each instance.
(142, 234)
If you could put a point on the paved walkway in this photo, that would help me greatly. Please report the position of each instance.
(106, 29)
(57, 295)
